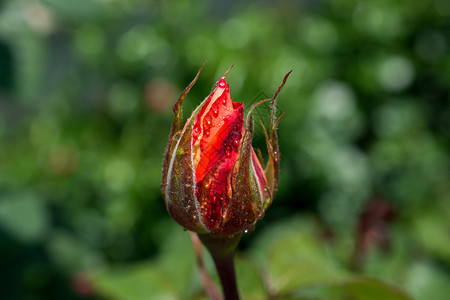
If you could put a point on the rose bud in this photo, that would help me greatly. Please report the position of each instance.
(213, 181)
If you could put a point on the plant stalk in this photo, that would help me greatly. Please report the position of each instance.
(227, 275)
(222, 251)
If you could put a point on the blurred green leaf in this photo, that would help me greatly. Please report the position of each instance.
(426, 280)
(135, 282)
(356, 289)
(68, 252)
(366, 289)
(250, 281)
(433, 230)
(24, 216)
(299, 261)
(171, 276)
(300, 266)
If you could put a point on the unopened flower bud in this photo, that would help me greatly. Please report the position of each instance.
(213, 181)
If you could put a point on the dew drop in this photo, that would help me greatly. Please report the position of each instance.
(207, 132)
(207, 121)
(215, 110)
(197, 129)
(228, 151)
(276, 155)
(236, 138)
(249, 229)
(222, 82)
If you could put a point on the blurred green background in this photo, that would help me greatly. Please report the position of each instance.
(86, 91)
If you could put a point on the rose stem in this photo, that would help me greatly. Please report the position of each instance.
(227, 275)
(222, 251)
(208, 283)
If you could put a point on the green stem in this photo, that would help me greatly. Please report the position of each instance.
(222, 251)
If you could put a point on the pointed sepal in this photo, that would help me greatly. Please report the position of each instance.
(179, 192)
(177, 125)
(272, 169)
(249, 189)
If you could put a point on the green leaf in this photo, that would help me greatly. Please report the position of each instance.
(250, 283)
(357, 288)
(141, 281)
(300, 266)
(298, 261)
(172, 275)
(426, 280)
(367, 289)
(292, 257)
(433, 230)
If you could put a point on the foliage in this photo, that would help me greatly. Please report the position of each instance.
(86, 90)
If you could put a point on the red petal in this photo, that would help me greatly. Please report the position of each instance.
(210, 117)
(213, 193)
(214, 169)
(223, 144)
(220, 127)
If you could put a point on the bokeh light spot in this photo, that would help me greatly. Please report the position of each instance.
(235, 34)
(395, 73)
(89, 40)
(118, 175)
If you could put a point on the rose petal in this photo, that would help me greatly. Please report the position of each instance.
(224, 143)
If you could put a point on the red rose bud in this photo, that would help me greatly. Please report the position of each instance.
(213, 182)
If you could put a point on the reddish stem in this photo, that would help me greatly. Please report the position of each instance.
(227, 275)
(222, 252)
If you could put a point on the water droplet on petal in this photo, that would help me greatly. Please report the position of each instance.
(215, 110)
(207, 122)
(228, 151)
(236, 138)
(222, 82)
(197, 129)
(206, 132)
